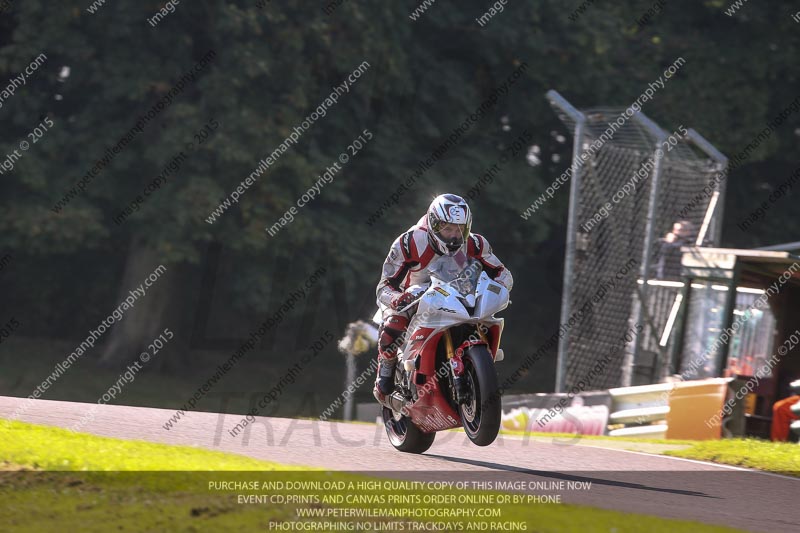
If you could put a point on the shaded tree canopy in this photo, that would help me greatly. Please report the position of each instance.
(274, 65)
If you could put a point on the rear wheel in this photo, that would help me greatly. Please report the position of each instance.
(404, 435)
(481, 416)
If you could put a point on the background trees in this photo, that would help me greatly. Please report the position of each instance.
(273, 66)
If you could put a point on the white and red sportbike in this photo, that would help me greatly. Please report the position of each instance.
(445, 376)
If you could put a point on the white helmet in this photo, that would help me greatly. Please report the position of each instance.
(448, 209)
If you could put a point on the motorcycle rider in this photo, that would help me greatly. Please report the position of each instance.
(443, 230)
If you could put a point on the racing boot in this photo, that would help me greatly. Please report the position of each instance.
(384, 383)
(390, 336)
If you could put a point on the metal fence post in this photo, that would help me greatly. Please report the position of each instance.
(572, 227)
(709, 149)
(640, 297)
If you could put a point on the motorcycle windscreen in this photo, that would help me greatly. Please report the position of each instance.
(459, 271)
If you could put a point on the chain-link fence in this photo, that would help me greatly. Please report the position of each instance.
(636, 197)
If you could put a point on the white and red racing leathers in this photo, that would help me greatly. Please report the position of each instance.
(406, 265)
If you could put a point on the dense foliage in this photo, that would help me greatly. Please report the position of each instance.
(275, 62)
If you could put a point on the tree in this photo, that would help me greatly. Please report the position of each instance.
(270, 68)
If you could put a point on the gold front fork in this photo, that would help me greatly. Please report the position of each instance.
(448, 343)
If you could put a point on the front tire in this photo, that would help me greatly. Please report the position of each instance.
(404, 435)
(481, 416)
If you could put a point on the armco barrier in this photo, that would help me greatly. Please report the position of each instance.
(640, 411)
(584, 414)
(677, 410)
(581, 420)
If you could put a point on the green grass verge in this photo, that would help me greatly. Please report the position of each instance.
(50, 448)
(778, 457)
(69, 498)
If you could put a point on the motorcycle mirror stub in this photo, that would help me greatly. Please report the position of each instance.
(417, 290)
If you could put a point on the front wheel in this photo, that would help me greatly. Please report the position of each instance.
(481, 416)
(404, 435)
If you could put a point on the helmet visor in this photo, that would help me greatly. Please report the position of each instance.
(453, 235)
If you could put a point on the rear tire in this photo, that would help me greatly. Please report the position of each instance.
(481, 416)
(404, 435)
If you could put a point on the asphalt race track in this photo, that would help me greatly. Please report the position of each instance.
(620, 480)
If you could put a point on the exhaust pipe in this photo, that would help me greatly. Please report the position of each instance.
(394, 401)
(397, 402)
